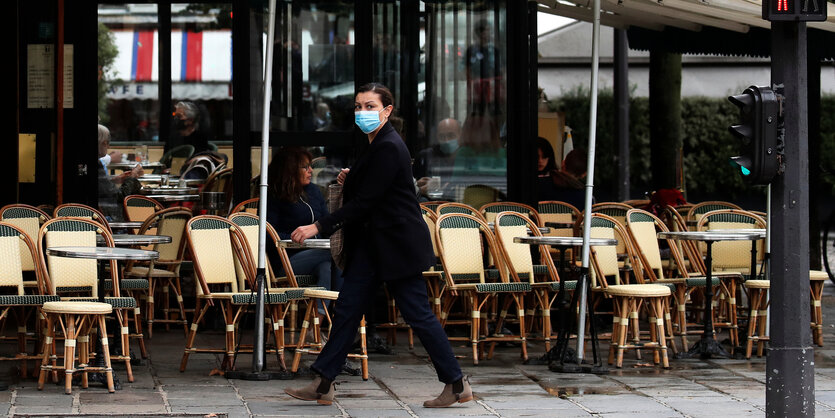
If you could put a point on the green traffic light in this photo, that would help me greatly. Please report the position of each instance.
(735, 162)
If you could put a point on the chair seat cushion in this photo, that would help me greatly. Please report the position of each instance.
(13, 300)
(123, 302)
(321, 294)
(77, 307)
(143, 272)
(502, 287)
(758, 284)
(638, 290)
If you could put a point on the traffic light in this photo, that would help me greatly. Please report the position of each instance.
(758, 129)
(794, 10)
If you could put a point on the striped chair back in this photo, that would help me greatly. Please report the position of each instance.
(248, 206)
(643, 228)
(732, 255)
(29, 220)
(73, 275)
(518, 259)
(13, 240)
(699, 209)
(460, 243)
(453, 207)
(215, 244)
(78, 210)
(490, 210)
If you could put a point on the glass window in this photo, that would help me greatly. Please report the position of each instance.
(463, 108)
(128, 47)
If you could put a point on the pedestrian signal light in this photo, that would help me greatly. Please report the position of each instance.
(796, 10)
(757, 131)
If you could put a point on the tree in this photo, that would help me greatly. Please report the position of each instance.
(665, 119)
(107, 52)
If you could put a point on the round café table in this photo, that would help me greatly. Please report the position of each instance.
(174, 197)
(707, 345)
(317, 243)
(131, 164)
(127, 240)
(125, 224)
(556, 356)
(542, 229)
(102, 254)
(168, 190)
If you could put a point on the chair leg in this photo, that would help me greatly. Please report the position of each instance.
(199, 312)
(754, 296)
(624, 307)
(149, 306)
(122, 318)
(46, 356)
(474, 327)
(816, 288)
(106, 350)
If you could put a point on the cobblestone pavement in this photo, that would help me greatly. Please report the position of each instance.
(400, 383)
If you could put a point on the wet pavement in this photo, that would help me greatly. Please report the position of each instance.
(400, 382)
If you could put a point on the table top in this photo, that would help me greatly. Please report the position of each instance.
(174, 197)
(711, 236)
(169, 190)
(172, 180)
(125, 224)
(134, 239)
(320, 243)
(102, 253)
(564, 241)
(130, 164)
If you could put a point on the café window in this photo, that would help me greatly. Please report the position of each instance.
(200, 74)
(463, 108)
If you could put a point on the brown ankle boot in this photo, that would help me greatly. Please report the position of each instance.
(459, 391)
(319, 390)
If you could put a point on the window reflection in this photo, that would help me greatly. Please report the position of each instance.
(463, 155)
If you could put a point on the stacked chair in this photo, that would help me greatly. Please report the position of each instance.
(458, 234)
(164, 273)
(223, 268)
(629, 299)
(29, 220)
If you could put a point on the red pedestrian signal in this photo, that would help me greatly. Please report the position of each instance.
(794, 10)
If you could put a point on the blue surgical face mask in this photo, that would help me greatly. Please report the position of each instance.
(367, 120)
(449, 146)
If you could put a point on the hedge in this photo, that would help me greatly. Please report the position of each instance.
(707, 145)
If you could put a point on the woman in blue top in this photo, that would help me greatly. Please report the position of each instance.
(294, 201)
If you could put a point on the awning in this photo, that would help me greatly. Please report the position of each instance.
(201, 64)
(733, 27)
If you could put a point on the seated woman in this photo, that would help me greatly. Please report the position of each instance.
(294, 201)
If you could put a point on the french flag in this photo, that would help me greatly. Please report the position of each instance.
(139, 50)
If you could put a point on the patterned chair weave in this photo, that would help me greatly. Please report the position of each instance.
(172, 225)
(11, 273)
(502, 287)
(293, 294)
(490, 211)
(212, 245)
(30, 222)
(700, 281)
(643, 230)
(306, 280)
(459, 243)
(455, 209)
(27, 300)
(249, 298)
(72, 272)
(128, 284)
(518, 255)
(567, 284)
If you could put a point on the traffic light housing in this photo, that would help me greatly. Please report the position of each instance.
(758, 131)
(794, 10)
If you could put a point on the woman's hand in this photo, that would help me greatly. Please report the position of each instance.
(304, 232)
(340, 178)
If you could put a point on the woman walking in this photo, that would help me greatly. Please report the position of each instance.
(385, 240)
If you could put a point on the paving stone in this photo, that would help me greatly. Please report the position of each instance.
(377, 412)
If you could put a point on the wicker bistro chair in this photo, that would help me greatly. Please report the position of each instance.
(144, 279)
(690, 249)
(629, 299)
(29, 220)
(433, 204)
(491, 210)
(221, 181)
(454, 207)
(699, 209)
(215, 244)
(248, 206)
(248, 225)
(459, 236)
(643, 227)
(543, 278)
(733, 256)
(78, 210)
(138, 208)
(77, 280)
(636, 203)
(617, 211)
(559, 212)
(13, 301)
(435, 275)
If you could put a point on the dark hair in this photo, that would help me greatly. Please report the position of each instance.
(284, 173)
(575, 162)
(543, 145)
(385, 94)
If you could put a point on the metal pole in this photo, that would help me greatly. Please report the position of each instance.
(595, 58)
(790, 380)
(767, 256)
(621, 84)
(261, 277)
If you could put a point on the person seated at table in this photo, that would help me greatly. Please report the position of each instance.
(568, 181)
(294, 200)
(112, 190)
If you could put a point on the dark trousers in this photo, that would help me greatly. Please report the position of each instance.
(361, 282)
